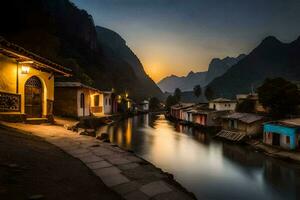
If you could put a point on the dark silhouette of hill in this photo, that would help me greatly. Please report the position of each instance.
(271, 58)
(58, 30)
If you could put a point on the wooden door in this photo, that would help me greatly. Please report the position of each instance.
(33, 98)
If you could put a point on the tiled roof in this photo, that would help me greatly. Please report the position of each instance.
(75, 85)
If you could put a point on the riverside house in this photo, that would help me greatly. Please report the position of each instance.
(236, 126)
(208, 117)
(221, 104)
(284, 133)
(26, 84)
(110, 102)
(144, 106)
(177, 110)
(74, 99)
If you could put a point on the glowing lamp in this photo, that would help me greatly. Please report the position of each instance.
(25, 69)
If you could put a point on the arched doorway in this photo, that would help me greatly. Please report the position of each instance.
(33, 97)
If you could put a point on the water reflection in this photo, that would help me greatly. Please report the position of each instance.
(209, 168)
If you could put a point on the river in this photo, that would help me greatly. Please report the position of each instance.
(209, 168)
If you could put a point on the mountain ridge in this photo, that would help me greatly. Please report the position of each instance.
(60, 31)
(271, 58)
(216, 68)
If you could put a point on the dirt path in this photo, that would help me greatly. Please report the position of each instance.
(31, 167)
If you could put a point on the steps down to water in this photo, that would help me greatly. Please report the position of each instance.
(231, 135)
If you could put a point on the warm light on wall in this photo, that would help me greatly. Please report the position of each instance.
(25, 69)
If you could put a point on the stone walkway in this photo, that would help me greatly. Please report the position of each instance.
(130, 176)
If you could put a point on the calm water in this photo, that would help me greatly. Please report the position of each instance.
(208, 168)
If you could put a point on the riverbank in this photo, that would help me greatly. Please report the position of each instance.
(275, 152)
(122, 171)
(31, 168)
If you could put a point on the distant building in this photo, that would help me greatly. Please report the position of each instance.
(242, 124)
(222, 104)
(208, 117)
(177, 110)
(144, 106)
(75, 99)
(110, 102)
(26, 83)
(284, 133)
(258, 107)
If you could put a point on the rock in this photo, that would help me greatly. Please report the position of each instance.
(36, 196)
(13, 165)
(67, 126)
(80, 130)
(103, 137)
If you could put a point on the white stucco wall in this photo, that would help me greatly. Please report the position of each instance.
(86, 110)
(8, 82)
(107, 104)
(222, 106)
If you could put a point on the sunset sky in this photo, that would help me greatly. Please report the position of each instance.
(177, 36)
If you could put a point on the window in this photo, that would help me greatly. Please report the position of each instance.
(287, 139)
(109, 101)
(105, 101)
(82, 100)
(96, 100)
(232, 124)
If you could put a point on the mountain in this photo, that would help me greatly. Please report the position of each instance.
(185, 83)
(271, 58)
(217, 67)
(59, 31)
(114, 46)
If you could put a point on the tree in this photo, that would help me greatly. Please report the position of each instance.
(177, 94)
(197, 91)
(209, 93)
(279, 96)
(246, 106)
(154, 103)
(171, 100)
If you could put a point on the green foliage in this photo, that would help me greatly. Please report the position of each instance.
(247, 106)
(280, 96)
(154, 104)
(171, 100)
(197, 91)
(209, 93)
(177, 94)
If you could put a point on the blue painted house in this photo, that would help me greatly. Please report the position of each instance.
(285, 133)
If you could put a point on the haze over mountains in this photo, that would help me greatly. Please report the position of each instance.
(217, 67)
(59, 31)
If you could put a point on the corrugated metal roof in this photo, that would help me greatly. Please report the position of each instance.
(244, 117)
